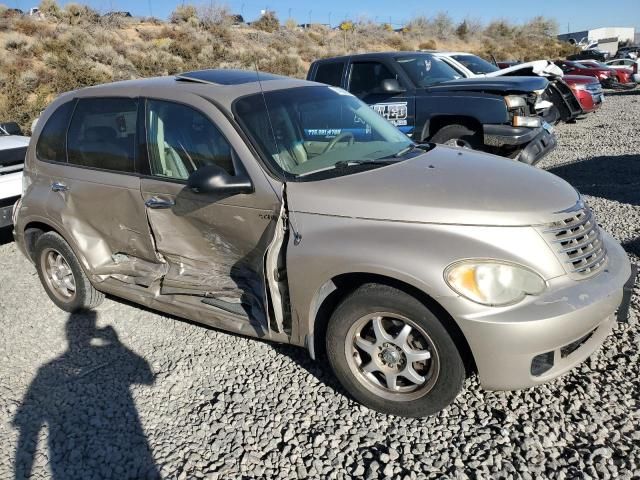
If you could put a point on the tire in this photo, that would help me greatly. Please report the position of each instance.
(65, 273)
(443, 372)
(459, 136)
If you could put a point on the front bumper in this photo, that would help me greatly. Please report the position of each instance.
(567, 324)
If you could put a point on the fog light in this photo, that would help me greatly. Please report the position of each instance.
(541, 363)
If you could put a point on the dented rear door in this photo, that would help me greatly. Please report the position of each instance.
(95, 193)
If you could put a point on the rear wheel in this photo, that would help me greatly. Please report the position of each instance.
(459, 136)
(392, 354)
(62, 276)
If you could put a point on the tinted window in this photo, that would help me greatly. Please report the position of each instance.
(330, 73)
(51, 143)
(367, 77)
(102, 134)
(476, 64)
(181, 140)
(425, 69)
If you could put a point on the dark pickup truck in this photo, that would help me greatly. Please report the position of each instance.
(429, 101)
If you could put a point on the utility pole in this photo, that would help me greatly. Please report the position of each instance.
(329, 19)
(310, 17)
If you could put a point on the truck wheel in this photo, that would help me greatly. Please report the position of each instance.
(391, 353)
(62, 276)
(459, 136)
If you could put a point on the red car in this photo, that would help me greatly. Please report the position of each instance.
(606, 76)
(624, 75)
(587, 90)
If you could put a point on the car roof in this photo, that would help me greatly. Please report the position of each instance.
(223, 86)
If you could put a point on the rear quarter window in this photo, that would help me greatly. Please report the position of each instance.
(51, 144)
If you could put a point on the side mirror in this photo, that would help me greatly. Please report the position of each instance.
(213, 179)
(391, 85)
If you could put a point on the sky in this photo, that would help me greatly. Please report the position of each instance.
(570, 14)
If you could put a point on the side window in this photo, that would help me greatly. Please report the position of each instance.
(51, 143)
(102, 134)
(367, 77)
(180, 140)
(330, 73)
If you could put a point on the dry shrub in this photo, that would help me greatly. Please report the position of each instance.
(27, 26)
(397, 42)
(428, 45)
(268, 22)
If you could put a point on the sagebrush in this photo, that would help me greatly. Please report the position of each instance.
(74, 46)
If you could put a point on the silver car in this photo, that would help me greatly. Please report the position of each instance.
(290, 211)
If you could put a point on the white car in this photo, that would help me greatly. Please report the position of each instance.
(13, 147)
(627, 63)
(558, 101)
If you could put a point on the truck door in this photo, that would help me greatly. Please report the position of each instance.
(366, 81)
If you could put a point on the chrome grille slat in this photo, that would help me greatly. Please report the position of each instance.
(573, 236)
(590, 238)
(582, 256)
(577, 241)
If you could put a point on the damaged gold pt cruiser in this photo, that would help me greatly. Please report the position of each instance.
(291, 211)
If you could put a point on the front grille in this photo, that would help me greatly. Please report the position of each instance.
(577, 242)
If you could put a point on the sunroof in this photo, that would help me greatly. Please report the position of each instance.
(226, 77)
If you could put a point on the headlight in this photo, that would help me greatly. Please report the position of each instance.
(514, 101)
(520, 121)
(539, 92)
(493, 282)
(579, 86)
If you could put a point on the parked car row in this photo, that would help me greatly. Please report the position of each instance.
(291, 211)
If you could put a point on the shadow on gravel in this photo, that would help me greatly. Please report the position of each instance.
(612, 177)
(6, 235)
(622, 93)
(83, 398)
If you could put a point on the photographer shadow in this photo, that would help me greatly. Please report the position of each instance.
(83, 397)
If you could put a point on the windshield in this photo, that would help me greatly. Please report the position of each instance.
(317, 128)
(425, 69)
(476, 64)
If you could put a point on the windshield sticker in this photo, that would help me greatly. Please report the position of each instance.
(340, 91)
(396, 112)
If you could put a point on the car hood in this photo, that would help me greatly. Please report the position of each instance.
(445, 186)
(579, 79)
(13, 141)
(541, 68)
(491, 84)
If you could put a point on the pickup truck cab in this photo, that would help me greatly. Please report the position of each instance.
(429, 101)
(13, 148)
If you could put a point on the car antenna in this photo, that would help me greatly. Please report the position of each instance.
(297, 237)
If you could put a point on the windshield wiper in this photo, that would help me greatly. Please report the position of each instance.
(346, 164)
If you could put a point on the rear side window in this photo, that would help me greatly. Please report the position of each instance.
(51, 143)
(330, 73)
(102, 134)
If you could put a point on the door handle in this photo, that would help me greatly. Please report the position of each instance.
(59, 187)
(155, 202)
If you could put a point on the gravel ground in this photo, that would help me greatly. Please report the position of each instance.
(136, 394)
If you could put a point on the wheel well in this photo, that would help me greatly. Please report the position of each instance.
(32, 233)
(347, 283)
(438, 123)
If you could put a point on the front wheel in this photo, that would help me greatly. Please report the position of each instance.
(459, 136)
(392, 354)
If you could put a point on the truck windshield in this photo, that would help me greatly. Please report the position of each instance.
(476, 64)
(311, 129)
(424, 69)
